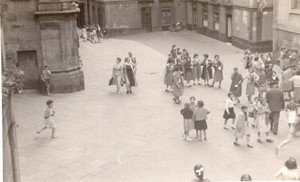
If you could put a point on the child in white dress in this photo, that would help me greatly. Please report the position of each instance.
(49, 119)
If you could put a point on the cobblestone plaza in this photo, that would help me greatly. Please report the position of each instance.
(108, 137)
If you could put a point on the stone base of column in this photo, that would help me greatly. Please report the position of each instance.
(67, 82)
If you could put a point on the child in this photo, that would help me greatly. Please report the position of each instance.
(291, 111)
(229, 111)
(289, 171)
(200, 117)
(254, 111)
(263, 120)
(193, 103)
(188, 123)
(49, 121)
(199, 173)
(242, 127)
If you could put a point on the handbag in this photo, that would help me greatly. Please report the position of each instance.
(111, 81)
(123, 81)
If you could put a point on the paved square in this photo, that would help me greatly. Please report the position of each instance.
(108, 137)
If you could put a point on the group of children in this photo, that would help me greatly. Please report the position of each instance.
(94, 33)
(194, 117)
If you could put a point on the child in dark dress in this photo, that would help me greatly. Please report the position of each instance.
(200, 117)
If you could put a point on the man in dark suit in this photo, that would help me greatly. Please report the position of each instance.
(275, 99)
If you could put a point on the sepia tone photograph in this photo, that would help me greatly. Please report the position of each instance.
(150, 90)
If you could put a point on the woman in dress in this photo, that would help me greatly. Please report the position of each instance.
(196, 69)
(291, 112)
(286, 84)
(251, 78)
(168, 75)
(257, 64)
(128, 70)
(117, 74)
(188, 123)
(19, 77)
(242, 127)
(262, 83)
(263, 120)
(177, 85)
(49, 119)
(218, 74)
(236, 84)
(188, 71)
(296, 83)
(206, 74)
(229, 110)
(274, 80)
(46, 78)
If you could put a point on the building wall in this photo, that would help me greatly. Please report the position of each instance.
(19, 25)
(286, 27)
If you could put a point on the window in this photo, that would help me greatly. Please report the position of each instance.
(216, 21)
(205, 19)
(166, 16)
(295, 6)
(195, 18)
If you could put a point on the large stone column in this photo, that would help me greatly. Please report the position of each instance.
(60, 42)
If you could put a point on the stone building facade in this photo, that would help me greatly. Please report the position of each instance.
(39, 33)
(286, 25)
(245, 23)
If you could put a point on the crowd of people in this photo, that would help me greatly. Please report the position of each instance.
(94, 33)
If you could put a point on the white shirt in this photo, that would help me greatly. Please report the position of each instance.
(287, 174)
(229, 104)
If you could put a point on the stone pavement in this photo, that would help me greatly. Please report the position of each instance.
(108, 137)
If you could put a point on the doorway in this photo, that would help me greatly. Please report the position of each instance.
(80, 16)
(228, 26)
(146, 19)
(195, 18)
(28, 63)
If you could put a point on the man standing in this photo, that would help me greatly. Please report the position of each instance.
(275, 99)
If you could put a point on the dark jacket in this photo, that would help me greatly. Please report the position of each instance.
(275, 99)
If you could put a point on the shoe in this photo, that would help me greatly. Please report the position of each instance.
(219, 87)
(167, 90)
(127, 92)
(250, 146)
(130, 92)
(188, 139)
(54, 137)
(199, 84)
(205, 139)
(269, 141)
(253, 126)
(200, 139)
(259, 141)
(232, 127)
(225, 128)
(275, 133)
(236, 144)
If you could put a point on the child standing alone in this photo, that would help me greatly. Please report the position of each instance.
(49, 119)
(200, 117)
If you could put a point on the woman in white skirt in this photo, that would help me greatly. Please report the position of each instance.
(296, 86)
(188, 123)
(263, 121)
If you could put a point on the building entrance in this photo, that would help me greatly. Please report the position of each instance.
(146, 19)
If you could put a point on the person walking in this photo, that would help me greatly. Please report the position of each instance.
(296, 85)
(177, 85)
(218, 74)
(229, 111)
(49, 119)
(128, 70)
(117, 74)
(242, 127)
(196, 69)
(251, 78)
(168, 75)
(236, 84)
(188, 123)
(46, 78)
(200, 118)
(263, 120)
(275, 100)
